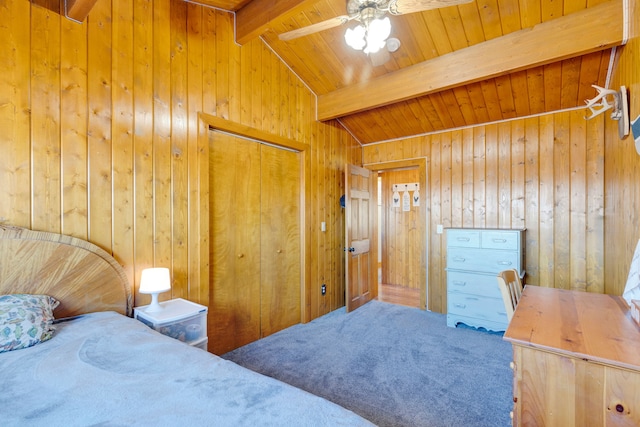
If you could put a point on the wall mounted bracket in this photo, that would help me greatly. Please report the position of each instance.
(619, 104)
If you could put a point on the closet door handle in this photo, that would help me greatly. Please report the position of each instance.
(240, 256)
(279, 251)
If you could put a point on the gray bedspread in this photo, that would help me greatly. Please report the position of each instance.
(110, 370)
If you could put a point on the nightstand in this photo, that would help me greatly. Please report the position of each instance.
(180, 319)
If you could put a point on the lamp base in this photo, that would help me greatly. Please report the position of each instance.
(154, 306)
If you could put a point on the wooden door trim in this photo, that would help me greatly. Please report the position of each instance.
(218, 123)
(210, 122)
(422, 164)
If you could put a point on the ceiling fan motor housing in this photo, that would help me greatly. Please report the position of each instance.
(367, 10)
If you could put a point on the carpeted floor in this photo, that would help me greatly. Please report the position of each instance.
(394, 365)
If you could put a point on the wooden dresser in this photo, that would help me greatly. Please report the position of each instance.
(576, 360)
(474, 257)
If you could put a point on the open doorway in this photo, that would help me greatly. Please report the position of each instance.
(401, 237)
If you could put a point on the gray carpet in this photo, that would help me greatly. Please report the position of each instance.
(394, 365)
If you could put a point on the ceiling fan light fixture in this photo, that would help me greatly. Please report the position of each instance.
(393, 44)
(355, 37)
(371, 36)
(379, 29)
(377, 33)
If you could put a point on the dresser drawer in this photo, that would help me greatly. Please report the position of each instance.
(482, 260)
(495, 239)
(463, 238)
(479, 307)
(476, 284)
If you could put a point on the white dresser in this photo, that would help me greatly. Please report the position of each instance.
(474, 258)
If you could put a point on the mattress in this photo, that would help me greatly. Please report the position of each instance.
(104, 368)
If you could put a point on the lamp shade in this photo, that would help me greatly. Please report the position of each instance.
(155, 281)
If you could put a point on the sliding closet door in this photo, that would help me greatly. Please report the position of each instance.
(255, 260)
(234, 306)
(280, 239)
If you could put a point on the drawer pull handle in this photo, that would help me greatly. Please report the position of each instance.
(460, 305)
(458, 258)
(460, 283)
(463, 239)
(499, 240)
(472, 299)
(505, 262)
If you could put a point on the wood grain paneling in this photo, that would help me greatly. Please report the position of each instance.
(327, 64)
(15, 166)
(544, 173)
(235, 218)
(281, 254)
(622, 169)
(402, 233)
(102, 138)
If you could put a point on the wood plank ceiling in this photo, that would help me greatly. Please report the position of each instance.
(479, 62)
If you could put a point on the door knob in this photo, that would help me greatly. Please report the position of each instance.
(352, 249)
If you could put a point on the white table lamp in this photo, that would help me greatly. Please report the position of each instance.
(154, 281)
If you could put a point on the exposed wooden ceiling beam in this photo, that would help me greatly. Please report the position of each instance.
(562, 38)
(257, 16)
(78, 10)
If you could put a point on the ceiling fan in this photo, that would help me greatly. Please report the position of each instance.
(374, 27)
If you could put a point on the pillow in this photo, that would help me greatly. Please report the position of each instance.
(25, 320)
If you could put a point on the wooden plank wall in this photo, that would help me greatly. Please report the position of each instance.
(622, 168)
(100, 133)
(401, 233)
(543, 173)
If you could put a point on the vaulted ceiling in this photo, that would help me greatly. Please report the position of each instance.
(460, 65)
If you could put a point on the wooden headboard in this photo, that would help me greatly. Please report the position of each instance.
(79, 274)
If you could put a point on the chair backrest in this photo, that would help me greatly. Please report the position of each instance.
(511, 288)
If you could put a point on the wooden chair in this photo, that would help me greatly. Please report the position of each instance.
(511, 288)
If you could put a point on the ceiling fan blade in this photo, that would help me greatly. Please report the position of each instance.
(402, 7)
(314, 28)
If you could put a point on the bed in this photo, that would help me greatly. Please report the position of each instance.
(101, 367)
